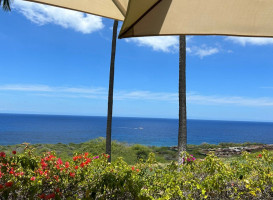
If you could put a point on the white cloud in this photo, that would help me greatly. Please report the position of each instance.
(43, 14)
(49, 89)
(193, 98)
(202, 51)
(250, 40)
(171, 44)
(102, 94)
(31, 88)
(157, 43)
(229, 100)
(146, 95)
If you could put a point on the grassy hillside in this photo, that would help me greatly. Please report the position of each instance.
(130, 153)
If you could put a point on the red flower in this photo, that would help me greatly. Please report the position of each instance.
(66, 164)
(75, 158)
(14, 152)
(82, 165)
(19, 174)
(86, 154)
(76, 167)
(50, 196)
(44, 165)
(88, 160)
(47, 159)
(11, 171)
(59, 161)
(41, 196)
(2, 154)
(137, 170)
(33, 178)
(9, 184)
(133, 168)
(1, 186)
(72, 174)
(56, 178)
(58, 190)
(260, 155)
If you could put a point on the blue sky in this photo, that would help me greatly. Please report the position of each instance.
(55, 61)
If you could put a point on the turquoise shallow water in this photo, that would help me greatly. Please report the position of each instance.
(15, 129)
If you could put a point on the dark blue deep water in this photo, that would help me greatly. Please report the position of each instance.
(16, 129)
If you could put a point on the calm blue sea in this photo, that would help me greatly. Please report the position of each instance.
(16, 129)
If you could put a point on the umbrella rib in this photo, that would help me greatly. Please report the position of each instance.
(120, 7)
(140, 18)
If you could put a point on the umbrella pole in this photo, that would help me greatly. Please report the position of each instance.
(182, 130)
(110, 92)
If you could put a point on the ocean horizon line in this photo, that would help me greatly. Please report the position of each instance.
(133, 117)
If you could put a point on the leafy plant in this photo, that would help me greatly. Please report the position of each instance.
(27, 175)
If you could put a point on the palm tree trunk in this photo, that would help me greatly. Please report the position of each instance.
(110, 92)
(182, 131)
(5, 5)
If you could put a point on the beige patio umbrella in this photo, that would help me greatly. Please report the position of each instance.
(196, 17)
(113, 9)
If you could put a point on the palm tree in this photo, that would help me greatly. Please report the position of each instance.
(110, 92)
(5, 4)
(182, 130)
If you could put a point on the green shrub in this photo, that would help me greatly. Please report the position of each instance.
(27, 175)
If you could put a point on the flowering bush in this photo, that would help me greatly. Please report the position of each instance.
(85, 176)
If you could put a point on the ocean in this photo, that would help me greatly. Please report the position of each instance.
(19, 128)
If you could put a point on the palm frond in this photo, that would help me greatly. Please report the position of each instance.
(5, 5)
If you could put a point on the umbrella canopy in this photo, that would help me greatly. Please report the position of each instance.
(198, 17)
(113, 9)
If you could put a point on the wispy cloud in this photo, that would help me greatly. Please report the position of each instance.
(194, 98)
(250, 40)
(229, 100)
(267, 87)
(31, 88)
(162, 43)
(102, 93)
(146, 95)
(202, 51)
(170, 44)
(43, 14)
(50, 89)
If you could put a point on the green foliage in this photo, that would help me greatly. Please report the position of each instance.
(28, 175)
(130, 153)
